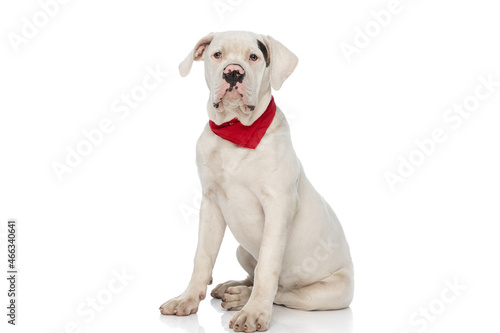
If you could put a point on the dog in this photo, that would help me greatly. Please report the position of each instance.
(291, 243)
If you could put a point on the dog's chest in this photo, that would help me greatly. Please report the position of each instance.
(228, 175)
(228, 165)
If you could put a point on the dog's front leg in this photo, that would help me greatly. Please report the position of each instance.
(211, 231)
(256, 314)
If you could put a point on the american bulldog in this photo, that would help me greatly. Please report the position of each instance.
(291, 243)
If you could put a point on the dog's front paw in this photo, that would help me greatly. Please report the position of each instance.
(182, 305)
(250, 319)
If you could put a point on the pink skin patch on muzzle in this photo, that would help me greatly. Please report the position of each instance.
(232, 85)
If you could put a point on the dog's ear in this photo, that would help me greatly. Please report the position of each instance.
(283, 61)
(195, 54)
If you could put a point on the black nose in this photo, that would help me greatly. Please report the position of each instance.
(233, 74)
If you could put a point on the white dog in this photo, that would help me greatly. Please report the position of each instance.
(291, 243)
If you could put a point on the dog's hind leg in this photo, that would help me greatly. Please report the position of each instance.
(240, 288)
(331, 293)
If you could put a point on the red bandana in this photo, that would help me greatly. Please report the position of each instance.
(246, 136)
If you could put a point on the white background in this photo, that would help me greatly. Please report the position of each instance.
(131, 203)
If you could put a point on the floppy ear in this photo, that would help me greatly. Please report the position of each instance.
(283, 62)
(195, 54)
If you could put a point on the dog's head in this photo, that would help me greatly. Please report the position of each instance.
(240, 69)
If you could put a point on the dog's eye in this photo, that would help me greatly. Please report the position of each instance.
(253, 57)
(217, 55)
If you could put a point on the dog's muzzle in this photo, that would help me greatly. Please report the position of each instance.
(232, 86)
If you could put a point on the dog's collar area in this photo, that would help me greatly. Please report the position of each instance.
(246, 136)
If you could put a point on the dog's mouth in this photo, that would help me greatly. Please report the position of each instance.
(233, 95)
